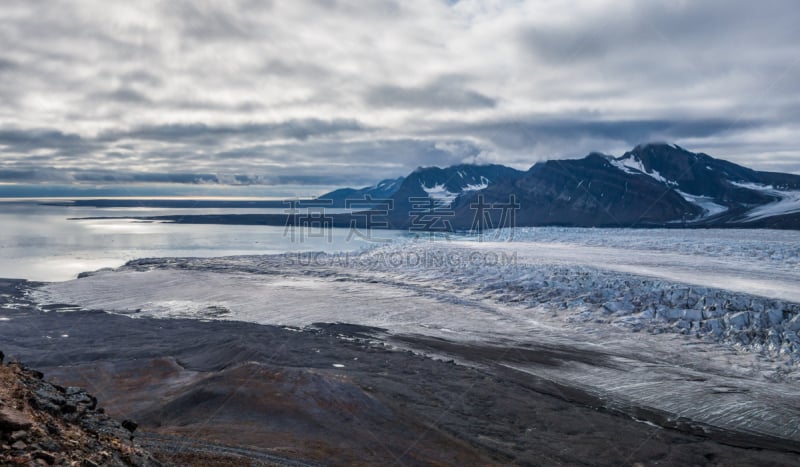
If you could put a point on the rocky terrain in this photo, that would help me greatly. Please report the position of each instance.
(45, 424)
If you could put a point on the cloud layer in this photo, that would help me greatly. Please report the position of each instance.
(346, 91)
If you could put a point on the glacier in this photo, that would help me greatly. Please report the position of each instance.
(697, 327)
(786, 202)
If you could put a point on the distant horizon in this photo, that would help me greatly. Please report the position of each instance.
(214, 190)
(51, 191)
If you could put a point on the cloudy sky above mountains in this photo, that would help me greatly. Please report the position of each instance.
(340, 92)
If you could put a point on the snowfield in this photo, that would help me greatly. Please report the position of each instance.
(786, 202)
(710, 208)
(700, 324)
(632, 165)
(439, 194)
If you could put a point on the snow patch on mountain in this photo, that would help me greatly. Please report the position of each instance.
(388, 184)
(790, 203)
(787, 202)
(484, 183)
(444, 197)
(706, 203)
(623, 167)
(439, 194)
(632, 165)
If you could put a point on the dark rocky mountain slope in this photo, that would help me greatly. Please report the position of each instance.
(653, 185)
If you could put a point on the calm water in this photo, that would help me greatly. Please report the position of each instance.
(40, 243)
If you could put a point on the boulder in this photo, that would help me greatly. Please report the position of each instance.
(130, 425)
(13, 420)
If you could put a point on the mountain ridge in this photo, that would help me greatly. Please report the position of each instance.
(652, 185)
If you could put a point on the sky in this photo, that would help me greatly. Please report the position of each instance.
(320, 93)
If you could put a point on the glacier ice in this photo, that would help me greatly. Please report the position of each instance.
(700, 325)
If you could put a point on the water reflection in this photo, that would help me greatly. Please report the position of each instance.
(39, 242)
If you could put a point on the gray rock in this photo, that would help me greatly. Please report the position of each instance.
(46, 457)
(12, 419)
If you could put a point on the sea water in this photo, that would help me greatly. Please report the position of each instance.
(51, 243)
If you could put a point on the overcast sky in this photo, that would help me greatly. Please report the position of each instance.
(339, 92)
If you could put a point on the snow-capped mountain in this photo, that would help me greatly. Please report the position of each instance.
(381, 190)
(430, 189)
(726, 192)
(587, 192)
(654, 184)
(445, 186)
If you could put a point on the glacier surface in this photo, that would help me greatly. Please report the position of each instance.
(701, 325)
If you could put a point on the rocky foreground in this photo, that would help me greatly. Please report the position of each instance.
(45, 424)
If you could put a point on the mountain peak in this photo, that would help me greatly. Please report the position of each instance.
(662, 157)
(657, 146)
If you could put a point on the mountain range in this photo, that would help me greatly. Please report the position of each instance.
(653, 185)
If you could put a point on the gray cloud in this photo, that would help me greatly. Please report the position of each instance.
(347, 91)
(293, 69)
(126, 95)
(6, 64)
(523, 134)
(208, 20)
(29, 140)
(208, 134)
(433, 96)
(690, 29)
(359, 162)
(140, 77)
